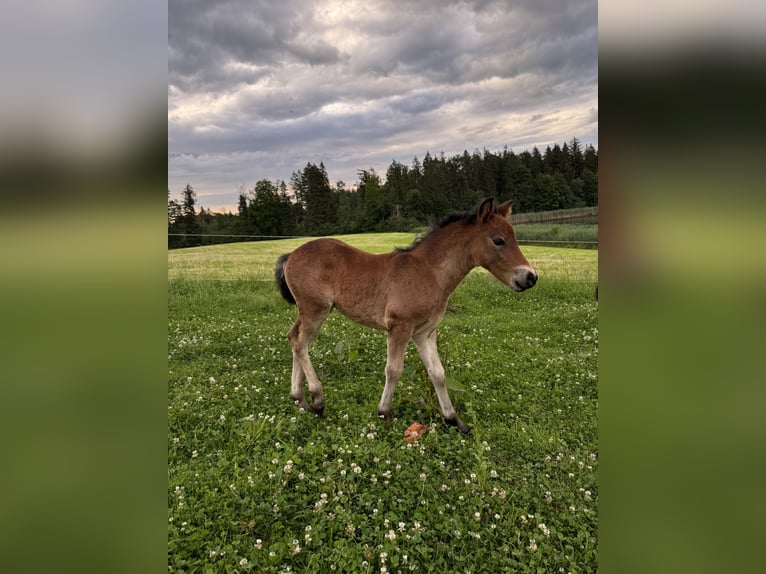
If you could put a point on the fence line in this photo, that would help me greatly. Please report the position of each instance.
(555, 216)
(555, 241)
(317, 237)
(236, 235)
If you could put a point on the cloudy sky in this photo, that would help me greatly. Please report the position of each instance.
(258, 88)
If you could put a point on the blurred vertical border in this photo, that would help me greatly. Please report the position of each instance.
(83, 132)
(682, 87)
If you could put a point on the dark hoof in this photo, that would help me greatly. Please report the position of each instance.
(386, 419)
(461, 426)
(302, 405)
(319, 411)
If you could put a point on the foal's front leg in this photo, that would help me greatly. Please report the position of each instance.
(426, 344)
(397, 345)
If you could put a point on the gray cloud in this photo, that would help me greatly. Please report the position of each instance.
(258, 88)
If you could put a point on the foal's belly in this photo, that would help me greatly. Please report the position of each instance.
(369, 317)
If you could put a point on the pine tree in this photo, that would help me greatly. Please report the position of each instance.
(320, 204)
(188, 219)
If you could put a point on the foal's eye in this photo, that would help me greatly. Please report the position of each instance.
(499, 241)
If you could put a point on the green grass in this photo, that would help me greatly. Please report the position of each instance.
(254, 485)
(559, 234)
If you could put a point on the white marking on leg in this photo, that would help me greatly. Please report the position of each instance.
(296, 383)
(426, 344)
(397, 345)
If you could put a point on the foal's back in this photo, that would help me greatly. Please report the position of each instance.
(326, 272)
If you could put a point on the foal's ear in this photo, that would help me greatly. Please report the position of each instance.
(486, 209)
(504, 209)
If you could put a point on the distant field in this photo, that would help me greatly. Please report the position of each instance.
(579, 235)
(256, 486)
(256, 260)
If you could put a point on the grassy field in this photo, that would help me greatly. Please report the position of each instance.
(254, 485)
(579, 235)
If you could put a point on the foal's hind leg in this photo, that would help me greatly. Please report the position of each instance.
(301, 336)
(426, 344)
(296, 383)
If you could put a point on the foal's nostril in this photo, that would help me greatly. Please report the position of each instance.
(531, 278)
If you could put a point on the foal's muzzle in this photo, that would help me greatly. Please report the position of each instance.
(523, 278)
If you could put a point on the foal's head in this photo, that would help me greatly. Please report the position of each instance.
(494, 247)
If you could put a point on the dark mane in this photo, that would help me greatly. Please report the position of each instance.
(464, 217)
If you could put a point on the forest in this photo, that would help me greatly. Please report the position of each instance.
(406, 198)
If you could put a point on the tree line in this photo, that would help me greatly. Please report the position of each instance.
(561, 177)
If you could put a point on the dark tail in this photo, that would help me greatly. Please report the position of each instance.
(279, 273)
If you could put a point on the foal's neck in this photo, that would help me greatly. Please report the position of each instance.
(448, 251)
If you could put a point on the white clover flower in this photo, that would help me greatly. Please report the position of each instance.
(243, 562)
(532, 545)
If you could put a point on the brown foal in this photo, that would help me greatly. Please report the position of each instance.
(404, 293)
